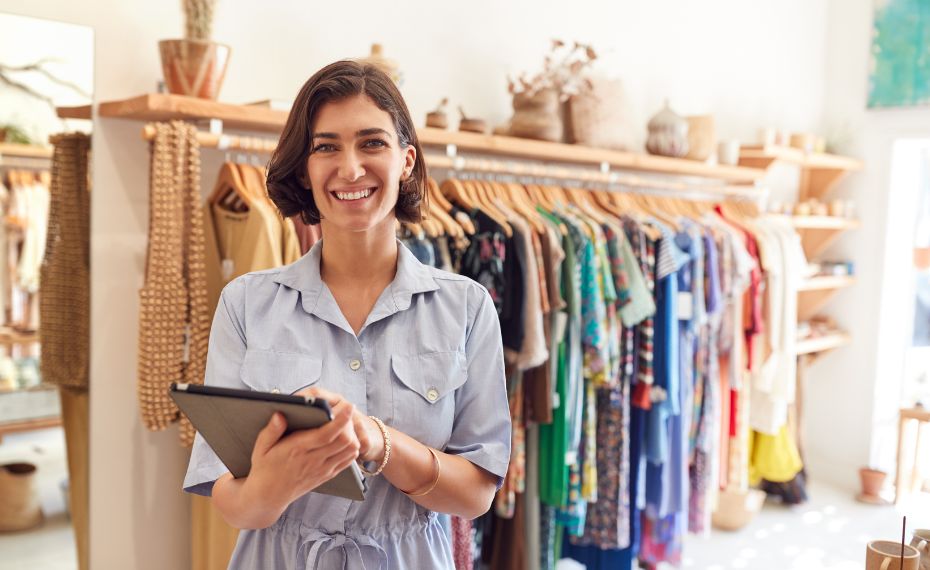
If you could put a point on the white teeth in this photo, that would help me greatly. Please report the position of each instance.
(353, 195)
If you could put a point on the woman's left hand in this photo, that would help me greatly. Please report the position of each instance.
(371, 441)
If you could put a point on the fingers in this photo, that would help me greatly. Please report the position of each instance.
(332, 398)
(270, 434)
(339, 426)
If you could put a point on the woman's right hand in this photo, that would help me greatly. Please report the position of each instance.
(285, 469)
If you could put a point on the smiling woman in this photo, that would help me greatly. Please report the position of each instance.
(409, 357)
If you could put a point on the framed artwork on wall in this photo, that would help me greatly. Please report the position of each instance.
(899, 71)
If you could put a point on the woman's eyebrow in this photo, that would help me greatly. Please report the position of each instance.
(361, 133)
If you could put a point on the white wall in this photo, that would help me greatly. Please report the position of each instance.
(853, 394)
(751, 64)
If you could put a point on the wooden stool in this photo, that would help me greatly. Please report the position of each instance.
(922, 415)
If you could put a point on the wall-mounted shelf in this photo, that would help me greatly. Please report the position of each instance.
(823, 343)
(826, 282)
(569, 153)
(79, 112)
(818, 232)
(820, 172)
(815, 292)
(25, 150)
(162, 107)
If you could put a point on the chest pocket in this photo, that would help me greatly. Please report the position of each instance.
(279, 372)
(424, 398)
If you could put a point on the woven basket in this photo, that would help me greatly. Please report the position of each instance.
(736, 508)
(19, 498)
(601, 118)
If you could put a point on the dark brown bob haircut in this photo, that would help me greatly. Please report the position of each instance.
(287, 184)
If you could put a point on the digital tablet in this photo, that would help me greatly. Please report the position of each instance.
(230, 420)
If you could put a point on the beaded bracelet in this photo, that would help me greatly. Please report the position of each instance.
(387, 449)
(435, 481)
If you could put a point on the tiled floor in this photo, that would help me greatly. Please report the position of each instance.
(829, 533)
(51, 546)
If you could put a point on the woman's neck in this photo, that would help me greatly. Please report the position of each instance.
(359, 260)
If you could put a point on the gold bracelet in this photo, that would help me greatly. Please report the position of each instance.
(387, 449)
(435, 481)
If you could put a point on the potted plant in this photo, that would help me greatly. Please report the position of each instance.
(195, 66)
(538, 101)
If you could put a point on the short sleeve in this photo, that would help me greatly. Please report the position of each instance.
(481, 428)
(224, 357)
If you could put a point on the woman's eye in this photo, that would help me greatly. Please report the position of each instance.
(325, 147)
(375, 143)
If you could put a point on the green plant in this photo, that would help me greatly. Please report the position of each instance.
(198, 19)
(15, 134)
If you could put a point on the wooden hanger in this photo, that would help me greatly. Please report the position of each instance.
(253, 182)
(229, 184)
(484, 204)
(441, 215)
(454, 190)
(524, 207)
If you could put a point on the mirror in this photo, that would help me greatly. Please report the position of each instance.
(46, 79)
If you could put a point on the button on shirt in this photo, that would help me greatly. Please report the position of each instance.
(428, 361)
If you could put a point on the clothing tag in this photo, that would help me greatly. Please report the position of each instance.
(228, 267)
(685, 306)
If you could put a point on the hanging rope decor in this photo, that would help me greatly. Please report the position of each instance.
(173, 316)
(64, 302)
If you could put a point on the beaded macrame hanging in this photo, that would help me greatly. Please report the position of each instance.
(174, 324)
(64, 302)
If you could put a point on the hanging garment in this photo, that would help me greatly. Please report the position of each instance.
(173, 316)
(65, 299)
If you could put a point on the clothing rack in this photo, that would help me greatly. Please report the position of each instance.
(524, 171)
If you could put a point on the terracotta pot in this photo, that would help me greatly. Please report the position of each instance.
(537, 116)
(19, 498)
(193, 67)
(872, 481)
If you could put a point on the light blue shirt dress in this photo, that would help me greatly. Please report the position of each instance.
(428, 362)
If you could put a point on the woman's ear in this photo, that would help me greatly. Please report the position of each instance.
(410, 161)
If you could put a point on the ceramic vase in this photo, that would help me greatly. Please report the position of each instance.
(668, 134)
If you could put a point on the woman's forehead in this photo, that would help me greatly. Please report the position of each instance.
(351, 115)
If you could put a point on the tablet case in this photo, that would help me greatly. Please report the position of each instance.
(230, 420)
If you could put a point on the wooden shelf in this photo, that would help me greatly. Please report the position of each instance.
(816, 292)
(15, 337)
(820, 172)
(79, 112)
(25, 150)
(7, 428)
(569, 153)
(762, 157)
(164, 107)
(823, 343)
(823, 223)
(826, 282)
(818, 232)
(161, 107)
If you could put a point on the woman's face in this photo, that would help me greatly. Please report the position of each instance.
(356, 164)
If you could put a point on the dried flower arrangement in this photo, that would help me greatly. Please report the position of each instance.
(198, 19)
(562, 71)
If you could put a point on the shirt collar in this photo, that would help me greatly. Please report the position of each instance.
(412, 277)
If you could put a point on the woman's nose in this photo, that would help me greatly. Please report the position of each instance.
(350, 167)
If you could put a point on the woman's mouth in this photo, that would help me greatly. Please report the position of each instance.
(354, 195)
